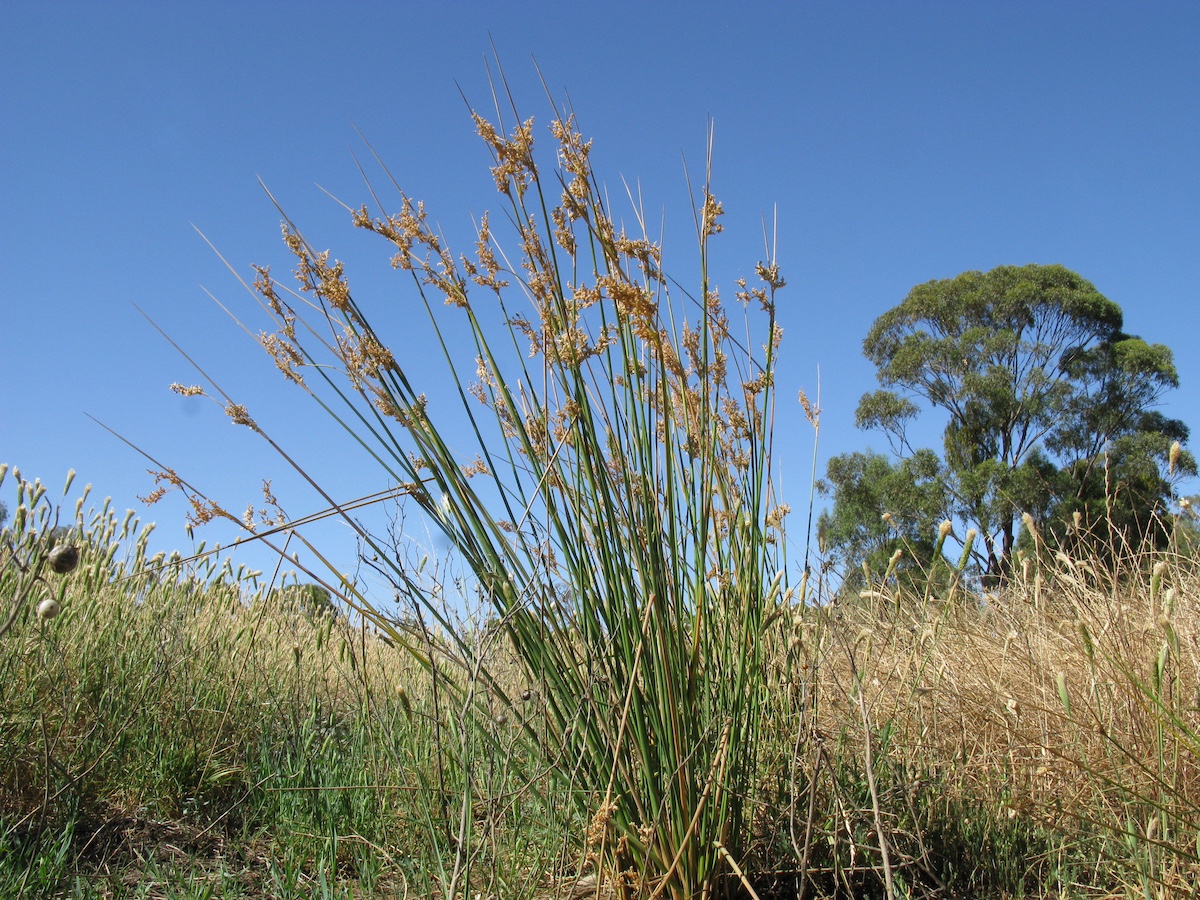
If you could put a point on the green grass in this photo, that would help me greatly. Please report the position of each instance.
(265, 749)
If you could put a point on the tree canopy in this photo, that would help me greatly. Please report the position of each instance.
(882, 507)
(1049, 404)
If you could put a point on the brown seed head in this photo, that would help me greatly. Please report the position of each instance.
(64, 558)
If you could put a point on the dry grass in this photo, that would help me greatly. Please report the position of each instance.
(1065, 703)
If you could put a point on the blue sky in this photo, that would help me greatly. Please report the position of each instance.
(898, 142)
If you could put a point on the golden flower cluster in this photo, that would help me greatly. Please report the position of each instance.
(315, 274)
(514, 156)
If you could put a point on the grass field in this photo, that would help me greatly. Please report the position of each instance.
(176, 733)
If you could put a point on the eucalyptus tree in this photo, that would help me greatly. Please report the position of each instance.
(1041, 389)
(882, 506)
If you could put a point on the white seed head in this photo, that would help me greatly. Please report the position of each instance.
(945, 528)
(48, 609)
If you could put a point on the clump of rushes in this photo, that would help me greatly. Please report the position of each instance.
(617, 507)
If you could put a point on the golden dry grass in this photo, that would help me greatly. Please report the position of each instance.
(1068, 699)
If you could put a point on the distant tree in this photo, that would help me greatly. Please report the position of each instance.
(881, 507)
(1046, 400)
(1115, 449)
(310, 599)
(3, 514)
(1119, 495)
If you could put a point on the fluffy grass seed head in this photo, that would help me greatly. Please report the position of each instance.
(776, 516)
(1027, 521)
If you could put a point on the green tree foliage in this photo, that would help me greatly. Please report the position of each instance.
(882, 507)
(1048, 403)
(1118, 495)
(310, 599)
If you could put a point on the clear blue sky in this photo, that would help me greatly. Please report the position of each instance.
(900, 142)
